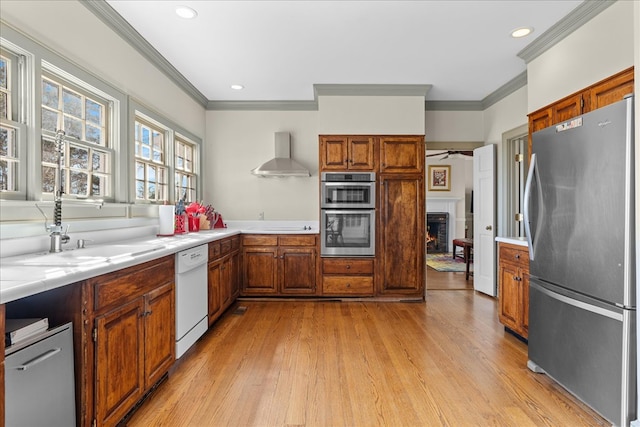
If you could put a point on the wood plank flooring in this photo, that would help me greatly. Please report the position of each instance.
(445, 362)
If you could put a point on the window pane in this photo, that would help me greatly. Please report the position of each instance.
(48, 179)
(8, 145)
(73, 127)
(151, 174)
(152, 191)
(78, 158)
(93, 134)
(140, 190)
(145, 136)
(49, 120)
(99, 162)
(4, 111)
(140, 171)
(98, 185)
(50, 94)
(71, 103)
(49, 154)
(79, 183)
(93, 112)
(8, 175)
(146, 152)
(4, 73)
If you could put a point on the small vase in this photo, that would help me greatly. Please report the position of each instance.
(194, 223)
(181, 224)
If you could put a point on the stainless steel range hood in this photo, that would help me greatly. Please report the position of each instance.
(282, 165)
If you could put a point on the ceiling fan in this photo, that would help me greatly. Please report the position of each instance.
(449, 153)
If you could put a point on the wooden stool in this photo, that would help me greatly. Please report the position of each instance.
(467, 246)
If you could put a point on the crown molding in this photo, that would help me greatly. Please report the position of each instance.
(369, 90)
(505, 90)
(262, 105)
(567, 25)
(453, 106)
(113, 20)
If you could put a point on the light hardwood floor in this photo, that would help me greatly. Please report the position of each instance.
(445, 362)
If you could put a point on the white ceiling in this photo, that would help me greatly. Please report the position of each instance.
(279, 49)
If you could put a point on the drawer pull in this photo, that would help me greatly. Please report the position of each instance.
(517, 256)
(348, 267)
(348, 285)
(44, 356)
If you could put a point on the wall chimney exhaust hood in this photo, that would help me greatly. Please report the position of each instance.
(282, 165)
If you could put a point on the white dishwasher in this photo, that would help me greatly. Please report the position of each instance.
(191, 297)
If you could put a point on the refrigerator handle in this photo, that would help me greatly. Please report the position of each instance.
(527, 197)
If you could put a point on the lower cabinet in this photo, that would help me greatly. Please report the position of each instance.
(134, 335)
(223, 277)
(347, 277)
(279, 264)
(513, 282)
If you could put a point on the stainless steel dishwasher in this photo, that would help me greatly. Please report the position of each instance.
(39, 381)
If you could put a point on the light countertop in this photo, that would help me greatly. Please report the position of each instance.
(26, 275)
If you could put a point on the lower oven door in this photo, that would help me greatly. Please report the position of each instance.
(346, 232)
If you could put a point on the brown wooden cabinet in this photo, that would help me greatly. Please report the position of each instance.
(223, 275)
(402, 154)
(401, 238)
(600, 94)
(340, 153)
(347, 277)
(279, 264)
(513, 282)
(134, 335)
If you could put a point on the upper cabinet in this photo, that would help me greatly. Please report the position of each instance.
(402, 154)
(603, 93)
(347, 153)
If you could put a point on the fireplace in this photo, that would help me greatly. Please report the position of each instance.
(437, 226)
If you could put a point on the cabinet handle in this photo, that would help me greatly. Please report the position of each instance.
(44, 356)
(348, 285)
(517, 256)
(515, 278)
(348, 267)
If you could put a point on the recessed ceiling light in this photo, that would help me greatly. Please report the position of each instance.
(521, 32)
(237, 87)
(186, 12)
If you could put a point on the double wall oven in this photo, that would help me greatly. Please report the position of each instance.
(348, 214)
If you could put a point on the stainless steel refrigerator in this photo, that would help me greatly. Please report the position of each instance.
(580, 222)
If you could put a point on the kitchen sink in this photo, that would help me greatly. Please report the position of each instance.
(85, 256)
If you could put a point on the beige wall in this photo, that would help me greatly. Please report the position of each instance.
(75, 33)
(600, 48)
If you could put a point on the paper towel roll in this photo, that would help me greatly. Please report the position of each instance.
(166, 216)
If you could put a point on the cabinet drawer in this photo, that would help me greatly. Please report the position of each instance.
(293, 240)
(129, 283)
(235, 243)
(225, 246)
(347, 266)
(260, 240)
(214, 250)
(347, 285)
(513, 255)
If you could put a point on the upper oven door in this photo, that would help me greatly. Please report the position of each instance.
(348, 195)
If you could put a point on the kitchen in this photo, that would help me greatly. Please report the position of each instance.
(241, 196)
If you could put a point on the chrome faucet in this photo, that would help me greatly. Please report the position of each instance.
(58, 237)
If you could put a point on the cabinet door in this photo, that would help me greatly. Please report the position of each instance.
(402, 154)
(401, 231)
(226, 269)
(214, 284)
(567, 109)
(611, 90)
(333, 153)
(361, 153)
(260, 270)
(297, 270)
(159, 343)
(119, 361)
(510, 296)
(235, 275)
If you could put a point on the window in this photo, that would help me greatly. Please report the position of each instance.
(516, 154)
(185, 178)
(166, 159)
(151, 167)
(9, 128)
(86, 152)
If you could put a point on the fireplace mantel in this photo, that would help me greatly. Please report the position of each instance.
(445, 204)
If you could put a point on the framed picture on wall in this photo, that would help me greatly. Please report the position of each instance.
(439, 178)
